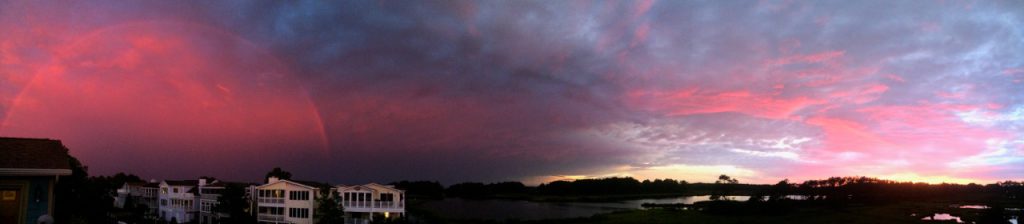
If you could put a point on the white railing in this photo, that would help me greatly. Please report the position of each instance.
(267, 217)
(372, 204)
(271, 200)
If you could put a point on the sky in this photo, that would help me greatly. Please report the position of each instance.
(532, 91)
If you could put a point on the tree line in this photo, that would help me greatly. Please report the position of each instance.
(81, 198)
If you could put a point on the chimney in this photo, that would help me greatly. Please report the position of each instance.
(272, 179)
(202, 182)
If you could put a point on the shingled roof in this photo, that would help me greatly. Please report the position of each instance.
(27, 156)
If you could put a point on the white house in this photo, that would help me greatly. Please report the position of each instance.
(209, 194)
(362, 202)
(141, 193)
(178, 200)
(284, 201)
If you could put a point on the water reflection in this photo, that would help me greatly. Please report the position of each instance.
(494, 209)
(943, 217)
(680, 200)
(456, 208)
(971, 206)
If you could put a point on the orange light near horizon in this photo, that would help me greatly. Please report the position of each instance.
(916, 178)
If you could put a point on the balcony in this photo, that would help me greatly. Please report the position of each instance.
(373, 206)
(269, 217)
(271, 200)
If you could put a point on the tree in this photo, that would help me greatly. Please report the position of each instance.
(79, 199)
(421, 189)
(233, 202)
(723, 187)
(780, 190)
(328, 210)
(279, 173)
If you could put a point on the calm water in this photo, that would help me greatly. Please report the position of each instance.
(493, 209)
(943, 217)
(455, 208)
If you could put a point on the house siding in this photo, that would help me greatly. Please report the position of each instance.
(36, 195)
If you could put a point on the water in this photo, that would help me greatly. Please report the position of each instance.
(943, 216)
(971, 206)
(456, 208)
(946, 216)
(493, 209)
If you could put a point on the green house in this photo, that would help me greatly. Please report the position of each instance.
(29, 169)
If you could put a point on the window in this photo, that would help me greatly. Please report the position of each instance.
(298, 195)
(271, 193)
(175, 190)
(163, 190)
(207, 206)
(387, 197)
(163, 202)
(298, 212)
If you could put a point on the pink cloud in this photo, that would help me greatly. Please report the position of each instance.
(694, 101)
(923, 139)
(641, 7)
(133, 95)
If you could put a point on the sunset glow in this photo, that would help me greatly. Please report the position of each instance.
(527, 91)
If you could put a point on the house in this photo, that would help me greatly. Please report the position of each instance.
(178, 200)
(185, 201)
(284, 201)
(139, 194)
(29, 170)
(209, 195)
(363, 202)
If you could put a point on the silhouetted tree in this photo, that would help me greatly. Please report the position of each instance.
(723, 187)
(328, 210)
(780, 190)
(79, 199)
(235, 204)
(604, 186)
(279, 173)
(423, 189)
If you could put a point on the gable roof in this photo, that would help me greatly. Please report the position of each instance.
(313, 184)
(289, 182)
(371, 186)
(189, 183)
(29, 156)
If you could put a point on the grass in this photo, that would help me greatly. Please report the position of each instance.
(851, 214)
